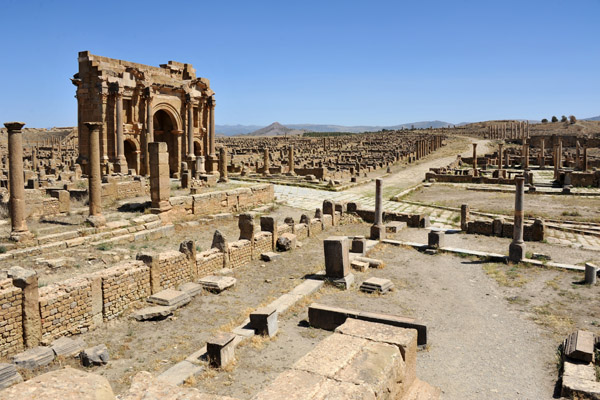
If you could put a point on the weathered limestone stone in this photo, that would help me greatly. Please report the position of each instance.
(591, 273)
(395, 226)
(63, 384)
(94, 175)
(435, 239)
(246, 226)
(360, 266)
(379, 285)
(97, 355)
(219, 242)
(67, 347)
(19, 230)
(517, 247)
(154, 312)
(264, 321)
(579, 381)
(221, 350)
(377, 229)
(269, 224)
(191, 288)
(170, 298)
(144, 386)
(359, 245)
(286, 242)
(27, 281)
(34, 357)
(160, 184)
(9, 375)
(337, 264)
(269, 256)
(464, 217)
(217, 283)
(580, 346)
(331, 354)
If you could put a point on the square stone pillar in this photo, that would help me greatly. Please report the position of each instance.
(337, 261)
(27, 281)
(160, 184)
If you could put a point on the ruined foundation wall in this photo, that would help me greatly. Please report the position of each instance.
(240, 253)
(174, 268)
(11, 318)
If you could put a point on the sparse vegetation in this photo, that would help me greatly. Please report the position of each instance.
(572, 119)
(554, 119)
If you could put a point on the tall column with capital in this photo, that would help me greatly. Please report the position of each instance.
(291, 160)
(19, 230)
(149, 136)
(475, 173)
(94, 176)
(212, 157)
(121, 162)
(190, 133)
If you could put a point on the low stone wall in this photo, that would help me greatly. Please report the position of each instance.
(66, 308)
(301, 231)
(582, 179)
(412, 220)
(448, 178)
(115, 189)
(240, 253)
(209, 261)
(531, 232)
(316, 226)
(285, 228)
(234, 200)
(122, 285)
(175, 269)
(11, 318)
(263, 242)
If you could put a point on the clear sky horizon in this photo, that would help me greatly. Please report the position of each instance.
(321, 62)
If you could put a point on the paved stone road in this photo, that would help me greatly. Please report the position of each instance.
(311, 199)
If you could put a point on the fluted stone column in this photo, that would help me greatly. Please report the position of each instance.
(121, 161)
(475, 172)
(95, 176)
(378, 230)
(223, 164)
(19, 231)
(516, 250)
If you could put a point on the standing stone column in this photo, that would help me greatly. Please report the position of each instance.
(95, 176)
(500, 145)
(190, 134)
(200, 167)
(160, 184)
(584, 166)
(291, 160)
(525, 154)
(149, 137)
(266, 162)
(211, 136)
(542, 161)
(464, 217)
(27, 281)
(378, 230)
(121, 162)
(516, 250)
(223, 164)
(19, 231)
(475, 172)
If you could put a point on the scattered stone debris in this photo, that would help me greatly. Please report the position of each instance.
(360, 266)
(34, 357)
(221, 350)
(217, 284)
(264, 321)
(67, 347)
(286, 242)
(379, 285)
(269, 256)
(170, 298)
(9, 375)
(97, 355)
(150, 313)
(191, 288)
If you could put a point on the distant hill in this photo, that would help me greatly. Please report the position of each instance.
(592, 119)
(276, 129)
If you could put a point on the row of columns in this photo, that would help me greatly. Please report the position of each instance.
(519, 130)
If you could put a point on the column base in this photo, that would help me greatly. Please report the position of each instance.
(377, 232)
(516, 252)
(96, 220)
(212, 164)
(343, 283)
(21, 236)
(121, 165)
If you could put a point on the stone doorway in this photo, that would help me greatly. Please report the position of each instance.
(132, 155)
(165, 130)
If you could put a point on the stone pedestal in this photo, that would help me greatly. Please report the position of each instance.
(160, 184)
(264, 321)
(19, 231)
(337, 263)
(435, 239)
(464, 217)
(221, 349)
(591, 273)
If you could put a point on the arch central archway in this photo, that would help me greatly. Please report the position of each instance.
(167, 127)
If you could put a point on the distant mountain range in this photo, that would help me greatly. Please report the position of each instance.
(277, 129)
(592, 119)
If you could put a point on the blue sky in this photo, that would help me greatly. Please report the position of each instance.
(336, 62)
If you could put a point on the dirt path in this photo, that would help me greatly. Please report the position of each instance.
(405, 177)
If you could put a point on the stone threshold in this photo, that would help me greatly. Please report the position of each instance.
(486, 255)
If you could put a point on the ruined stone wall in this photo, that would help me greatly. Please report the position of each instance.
(285, 228)
(263, 242)
(240, 253)
(301, 231)
(115, 190)
(316, 226)
(66, 308)
(174, 268)
(226, 201)
(122, 285)
(11, 318)
(531, 232)
(209, 261)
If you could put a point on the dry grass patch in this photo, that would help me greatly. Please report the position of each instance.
(506, 275)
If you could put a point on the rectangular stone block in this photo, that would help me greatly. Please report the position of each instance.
(337, 264)
(220, 349)
(580, 346)
(264, 321)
